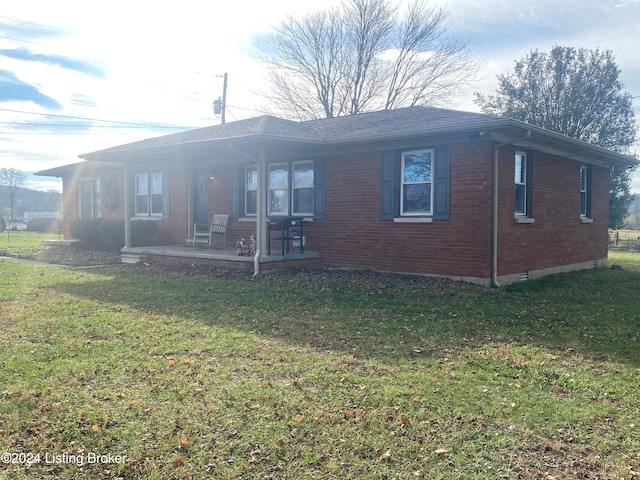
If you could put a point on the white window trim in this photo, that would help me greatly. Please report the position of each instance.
(246, 190)
(431, 151)
(293, 186)
(149, 194)
(95, 205)
(584, 189)
(270, 166)
(524, 184)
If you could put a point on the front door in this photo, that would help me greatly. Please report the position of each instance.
(201, 196)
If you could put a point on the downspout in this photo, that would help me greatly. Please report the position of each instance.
(261, 219)
(494, 208)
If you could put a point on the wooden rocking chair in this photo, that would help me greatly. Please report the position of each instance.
(205, 233)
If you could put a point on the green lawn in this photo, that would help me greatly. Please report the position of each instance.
(317, 374)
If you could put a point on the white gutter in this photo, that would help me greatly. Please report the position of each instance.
(494, 234)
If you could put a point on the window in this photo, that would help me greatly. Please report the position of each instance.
(292, 188)
(521, 184)
(278, 189)
(414, 184)
(90, 198)
(151, 194)
(302, 195)
(585, 180)
(251, 190)
(416, 197)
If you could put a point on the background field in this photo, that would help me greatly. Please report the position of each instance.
(196, 373)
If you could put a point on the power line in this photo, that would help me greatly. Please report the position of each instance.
(91, 119)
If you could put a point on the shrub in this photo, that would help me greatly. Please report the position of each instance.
(108, 235)
(141, 233)
(111, 233)
(86, 230)
(44, 224)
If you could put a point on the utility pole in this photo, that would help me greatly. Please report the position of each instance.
(220, 105)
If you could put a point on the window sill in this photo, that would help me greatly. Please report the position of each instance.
(148, 218)
(586, 220)
(524, 220)
(413, 220)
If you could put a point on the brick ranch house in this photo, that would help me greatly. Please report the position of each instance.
(462, 195)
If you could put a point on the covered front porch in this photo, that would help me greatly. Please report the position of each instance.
(224, 257)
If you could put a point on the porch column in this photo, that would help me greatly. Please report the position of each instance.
(189, 178)
(261, 220)
(127, 206)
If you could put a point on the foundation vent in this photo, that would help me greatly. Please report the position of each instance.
(524, 276)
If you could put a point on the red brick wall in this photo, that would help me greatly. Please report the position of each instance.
(174, 228)
(352, 234)
(462, 245)
(558, 237)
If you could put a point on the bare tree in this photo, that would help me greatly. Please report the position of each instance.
(365, 55)
(13, 179)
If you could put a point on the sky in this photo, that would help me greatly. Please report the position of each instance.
(80, 76)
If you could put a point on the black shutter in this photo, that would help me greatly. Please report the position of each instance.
(235, 191)
(318, 187)
(441, 181)
(588, 212)
(387, 200)
(529, 181)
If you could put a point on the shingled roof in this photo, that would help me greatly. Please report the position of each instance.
(380, 126)
(327, 130)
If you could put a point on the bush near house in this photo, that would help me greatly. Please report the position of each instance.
(108, 235)
(45, 224)
(86, 230)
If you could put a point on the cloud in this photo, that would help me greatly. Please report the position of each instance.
(29, 31)
(13, 89)
(62, 61)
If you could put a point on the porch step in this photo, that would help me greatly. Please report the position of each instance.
(132, 258)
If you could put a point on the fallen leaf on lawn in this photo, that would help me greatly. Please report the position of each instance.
(184, 442)
(385, 456)
(299, 419)
(441, 451)
(177, 462)
(170, 362)
(416, 398)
